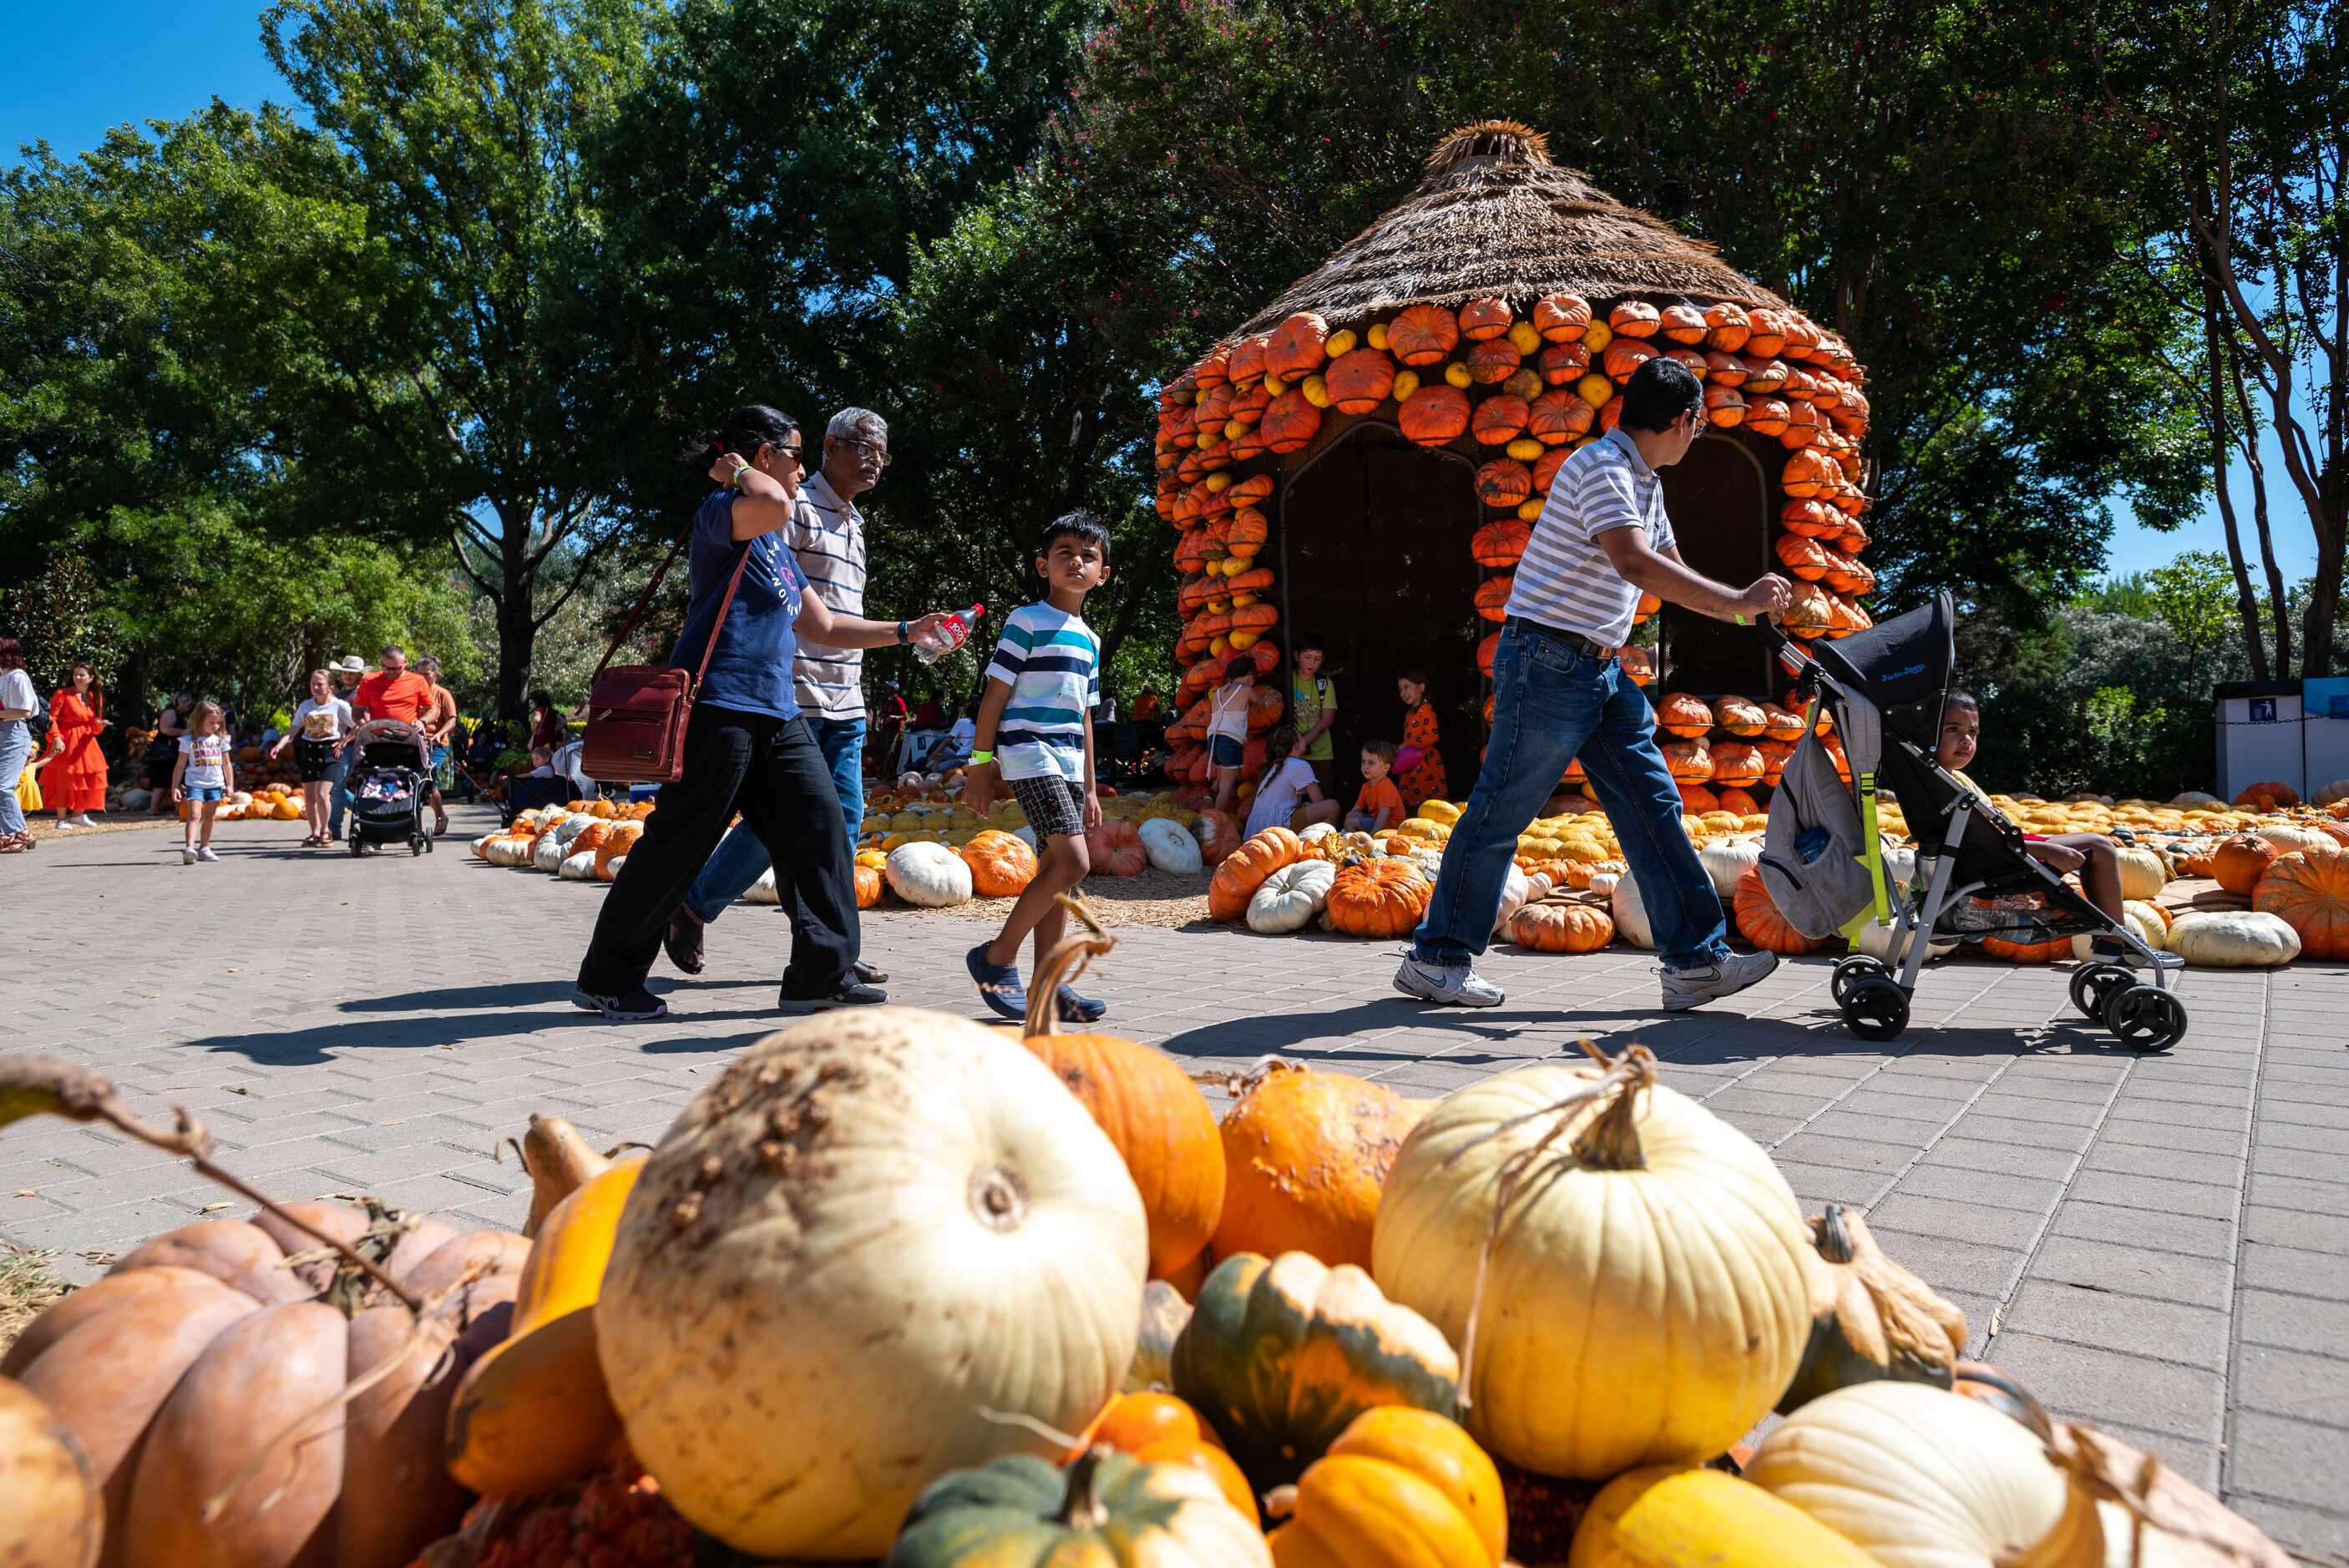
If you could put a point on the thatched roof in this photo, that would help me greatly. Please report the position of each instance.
(1494, 216)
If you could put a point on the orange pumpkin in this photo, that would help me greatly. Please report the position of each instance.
(1482, 320)
(2238, 862)
(1634, 318)
(2309, 890)
(1247, 362)
(2015, 952)
(1683, 324)
(1493, 361)
(1266, 703)
(1696, 800)
(1493, 596)
(1562, 318)
(1434, 415)
(1383, 897)
(1290, 423)
(1246, 535)
(1638, 663)
(1727, 328)
(1805, 558)
(1724, 407)
(1359, 380)
(1763, 416)
(1738, 717)
(1501, 542)
(2271, 795)
(1813, 519)
(1737, 802)
(1422, 334)
(1545, 467)
(1561, 925)
(1504, 481)
(1737, 763)
(1563, 364)
(1759, 922)
(1115, 847)
(1624, 355)
(1780, 723)
(1557, 416)
(1306, 1153)
(1682, 715)
(1484, 651)
(1500, 419)
(1806, 473)
(1243, 871)
(1159, 1428)
(1767, 333)
(1217, 834)
(1001, 864)
(868, 887)
(1299, 346)
(1688, 759)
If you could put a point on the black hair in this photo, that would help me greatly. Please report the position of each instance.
(542, 697)
(1078, 524)
(1415, 675)
(744, 431)
(1385, 750)
(1659, 392)
(1957, 699)
(1277, 745)
(12, 654)
(1239, 665)
(1313, 640)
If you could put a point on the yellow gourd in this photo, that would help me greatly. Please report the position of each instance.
(1664, 1516)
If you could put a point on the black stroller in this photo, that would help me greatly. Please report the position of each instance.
(1884, 689)
(388, 785)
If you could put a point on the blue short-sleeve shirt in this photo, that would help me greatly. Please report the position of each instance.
(751, 670)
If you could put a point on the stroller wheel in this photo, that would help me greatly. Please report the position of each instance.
(2145, 1017)
(1876, 1007)
(2094, 985)
(1848, 973)
(359, 845)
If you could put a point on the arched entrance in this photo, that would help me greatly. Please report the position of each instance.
(1373, 557)
(1718, 500)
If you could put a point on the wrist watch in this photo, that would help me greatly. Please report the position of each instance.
(901, 634)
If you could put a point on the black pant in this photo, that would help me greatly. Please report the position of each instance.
(772, 771)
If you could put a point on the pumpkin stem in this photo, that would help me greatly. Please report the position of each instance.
(1832, 1236)
(30, 1085)
(2093, 1468)
(1612, 1142)
(1280, 1502)
(1242, 1084)
(1069, 959)
(1082, 1509)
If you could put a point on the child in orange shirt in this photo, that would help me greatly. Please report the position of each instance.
(1423, 779)
(1379, 805)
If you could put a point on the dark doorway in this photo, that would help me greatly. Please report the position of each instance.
(1374, 536)
(1720, 504)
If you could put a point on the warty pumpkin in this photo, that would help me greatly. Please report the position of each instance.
(1870, 1318)
(200, 1345)
(882, 1167)
(1283, 1354)
(1921, 1478)
(1504, 481)
(1305, 1155)
(1422, 334)
(1156, 1119)
(1607, 1186)
(1001, 866)
(1106, 1511)
(2308, 890)
(1561, 317)
(1400, 1487)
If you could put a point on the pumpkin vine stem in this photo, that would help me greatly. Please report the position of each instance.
(1069, 959)
(1081, 1508)
(31, 1086)
(2080, 1452)
(1610, 1142)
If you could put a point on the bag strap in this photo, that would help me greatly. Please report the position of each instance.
(724, 605)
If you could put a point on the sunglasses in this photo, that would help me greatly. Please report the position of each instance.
(797, 457)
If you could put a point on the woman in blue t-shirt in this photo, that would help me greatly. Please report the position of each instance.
(747, 748)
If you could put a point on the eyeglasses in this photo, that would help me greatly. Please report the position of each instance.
(879, 453)
(797, 457)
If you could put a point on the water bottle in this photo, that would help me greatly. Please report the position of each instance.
(949, 635)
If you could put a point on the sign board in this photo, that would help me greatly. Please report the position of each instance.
(2263, 710)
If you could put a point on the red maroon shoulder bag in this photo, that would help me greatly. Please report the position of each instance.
(636, 714)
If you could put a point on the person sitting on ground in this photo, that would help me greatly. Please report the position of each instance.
(1378, 805)
(2096, 857)
(1287, 779)
(1227, 716)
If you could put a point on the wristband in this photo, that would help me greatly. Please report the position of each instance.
(978, 756)
(1739, 619)
(901, 634)
(735, 478)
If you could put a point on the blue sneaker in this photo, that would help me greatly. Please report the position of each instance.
(1076, 1009)
(998, 985)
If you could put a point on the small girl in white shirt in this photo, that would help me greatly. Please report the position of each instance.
(202, 778)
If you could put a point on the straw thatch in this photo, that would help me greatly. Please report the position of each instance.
(1494, 216)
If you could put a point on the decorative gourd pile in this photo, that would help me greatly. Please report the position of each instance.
(1516, 386)
(886, 1290)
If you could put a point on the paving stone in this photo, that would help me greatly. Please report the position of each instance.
(1997, 1191)
(2301, 1195)
(2307, 1531)
(2129, 1130)
(1977, 1154)
(2106, 1387)
(2153, 1193)
(2295, 1322)
(2165, 1331)
(2293, 1460)
(1846, 1153)
(2290, 1383)
(1953, 1267)
(2285, 1228)
(1818, 1184)
(2144, 1228)
(2295, 1272)
(2135, 1271)
(2048, 1135)
(2008, 1228)
(2314, 1139)
(2224, 1170)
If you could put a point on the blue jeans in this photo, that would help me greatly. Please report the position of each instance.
(741, 860)
(1552, 703)
(339, 799)
(16, 750)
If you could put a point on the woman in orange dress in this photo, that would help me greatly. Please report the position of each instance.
(75, 778)
(1424, 780)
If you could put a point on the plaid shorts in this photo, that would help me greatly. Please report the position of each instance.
(1053, 805)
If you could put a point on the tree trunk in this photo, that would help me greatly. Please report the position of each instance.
(2248, 436)
(2247, 602)
(517, 623)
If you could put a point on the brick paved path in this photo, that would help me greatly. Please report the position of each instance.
(2158, 1245)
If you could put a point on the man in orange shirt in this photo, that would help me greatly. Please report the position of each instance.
(394, 691)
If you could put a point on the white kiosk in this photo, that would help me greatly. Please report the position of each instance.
(2325, 729)
(2260, 731)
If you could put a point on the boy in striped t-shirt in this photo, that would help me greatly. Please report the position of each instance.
(1036, 733)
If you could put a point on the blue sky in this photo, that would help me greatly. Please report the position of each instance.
(74, 70)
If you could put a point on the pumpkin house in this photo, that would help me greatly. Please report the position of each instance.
(1365, 458)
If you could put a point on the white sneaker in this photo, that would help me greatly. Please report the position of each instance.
(206, 853)
(83, 821)
(1685, 988)
(1447, 984)
(66, 826)
(187, 856)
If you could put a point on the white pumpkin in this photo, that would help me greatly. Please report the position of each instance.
(578, 868)
(1726, 860)
(2144, 874)
(511, 851)
(2233, 939)
(929, 875)
(1290, 897)
(1630, 915)
(2332, 794)
(1603, 884)
(546, 854)
(1169, 847)
(2290, 836)
(1888, 944)
(610, 870)
(2145, 927)
(1313, 830)
(571, 827)
(1514, 892)
(763, 891)
(1922, 1477)
(800, 1339)
(1645, 1300)
(2186, 799)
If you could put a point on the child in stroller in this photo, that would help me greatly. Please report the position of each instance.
(388, 785)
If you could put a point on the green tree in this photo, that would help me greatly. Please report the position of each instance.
(2194, 597)
(60, 618)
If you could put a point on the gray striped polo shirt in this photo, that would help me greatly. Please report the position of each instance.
(1566, 581)
(828, 537)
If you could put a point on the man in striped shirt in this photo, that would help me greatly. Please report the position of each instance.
(1602, 539)
(827, 536)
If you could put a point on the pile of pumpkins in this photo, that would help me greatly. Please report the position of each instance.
(585, 840)
(898, 1288)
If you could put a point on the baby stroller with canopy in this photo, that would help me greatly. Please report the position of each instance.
(1823, 862)
(389, 786)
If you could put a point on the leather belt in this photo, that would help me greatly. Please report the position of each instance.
(1574, 640)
